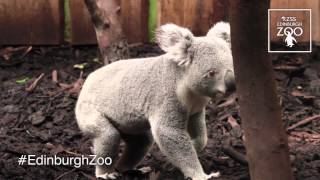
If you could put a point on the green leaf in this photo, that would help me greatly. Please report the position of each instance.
(80, 66)
(22, 81)
(96, 60)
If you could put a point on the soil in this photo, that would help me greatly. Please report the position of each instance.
(42, 122)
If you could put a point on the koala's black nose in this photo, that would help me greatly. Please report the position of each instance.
(230, 81)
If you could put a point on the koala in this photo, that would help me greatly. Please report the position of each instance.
(159, 99)
(222, 30)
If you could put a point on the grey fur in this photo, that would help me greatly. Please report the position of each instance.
(221, 30)
(159, 99)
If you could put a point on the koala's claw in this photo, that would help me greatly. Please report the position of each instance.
(108, 176)
(113, 175)
(145, 170)
(214, 175)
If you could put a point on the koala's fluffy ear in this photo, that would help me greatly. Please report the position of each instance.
(220, 30)
(175, 41)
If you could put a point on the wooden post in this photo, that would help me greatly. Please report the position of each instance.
(266, 141)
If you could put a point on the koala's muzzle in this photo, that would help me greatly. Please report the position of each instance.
(230, 81)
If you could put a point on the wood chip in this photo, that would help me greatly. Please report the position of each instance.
(54, 76)
(240, 158)
(35, 83)
(287, 68)
(230, 101)
(303, 122)
(302, 95)
(233, 122)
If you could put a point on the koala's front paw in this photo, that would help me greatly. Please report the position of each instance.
(205, 176)
(213, 175)
(108, 176)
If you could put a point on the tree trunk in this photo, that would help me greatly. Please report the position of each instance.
(105, 16)
(266, 140)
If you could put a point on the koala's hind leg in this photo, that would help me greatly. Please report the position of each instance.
(137, 146)
(198, 131)
(106, 144)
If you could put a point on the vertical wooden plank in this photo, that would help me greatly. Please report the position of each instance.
(171, 11)
(191, 16)
(82, 31)
(220, 10)
(315, 6)
(31, 22)
(277, 4)
(317, 24)
(197, 15)
(206, 16)
(134, 19)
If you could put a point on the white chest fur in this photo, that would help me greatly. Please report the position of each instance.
(192, 101)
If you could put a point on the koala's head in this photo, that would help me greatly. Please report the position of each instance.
(207, 61)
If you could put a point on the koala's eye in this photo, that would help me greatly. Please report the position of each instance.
(210, 74)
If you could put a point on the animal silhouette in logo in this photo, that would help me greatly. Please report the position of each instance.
(289, 40)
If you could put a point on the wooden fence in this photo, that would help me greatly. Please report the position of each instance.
(42, 22)
(31, 22)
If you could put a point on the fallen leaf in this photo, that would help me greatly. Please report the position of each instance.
(96, 60)
(80, 66)
(37, 118)
(22, 81)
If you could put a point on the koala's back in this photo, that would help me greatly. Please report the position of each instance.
(126, 91)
